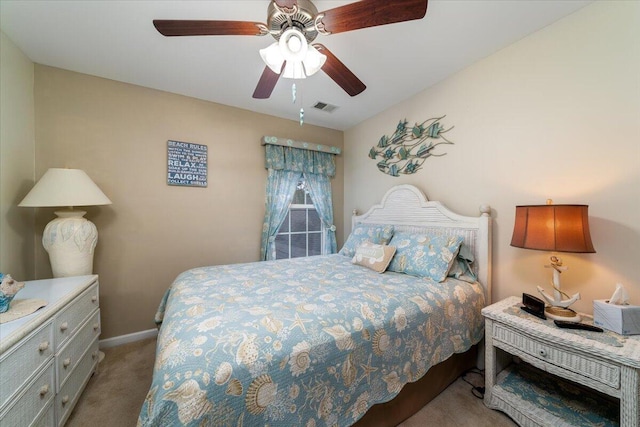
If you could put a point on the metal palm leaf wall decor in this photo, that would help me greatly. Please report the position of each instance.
(407, 148)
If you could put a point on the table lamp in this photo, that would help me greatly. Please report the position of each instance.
(69, 239)
(555, 228)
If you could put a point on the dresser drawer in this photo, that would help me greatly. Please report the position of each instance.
(38, 394)
(48, 418)
(68, 395)
(71, 317)
(23, 360)
(75, 348)
(591, 368)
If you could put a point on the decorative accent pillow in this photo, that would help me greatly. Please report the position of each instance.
(424, 255)
(373, 256)
(461, 267)
(378, 234)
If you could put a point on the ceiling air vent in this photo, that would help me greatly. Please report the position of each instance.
(325, 107)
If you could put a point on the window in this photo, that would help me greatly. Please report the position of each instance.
(301, 233)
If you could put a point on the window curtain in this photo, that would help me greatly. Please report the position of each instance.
(286, 165)
(320, 189)
(281, 186)
(299, 160)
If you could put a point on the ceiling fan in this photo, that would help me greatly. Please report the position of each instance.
(295, 24)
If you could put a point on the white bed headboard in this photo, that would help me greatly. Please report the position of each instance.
(407, 208)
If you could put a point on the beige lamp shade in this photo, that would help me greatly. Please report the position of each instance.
(65, 187)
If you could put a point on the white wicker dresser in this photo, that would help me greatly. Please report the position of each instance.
(607, 365)
(47, 357)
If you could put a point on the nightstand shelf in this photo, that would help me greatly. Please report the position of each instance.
(518, 384)
(562, 369)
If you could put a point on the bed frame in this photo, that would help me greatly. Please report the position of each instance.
(408, 209)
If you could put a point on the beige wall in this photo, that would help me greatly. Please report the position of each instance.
(555, 115)
(17, 170)
(118, 133)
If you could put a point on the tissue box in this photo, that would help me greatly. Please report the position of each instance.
(622, 319)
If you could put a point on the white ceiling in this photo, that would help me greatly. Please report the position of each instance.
(116, 40)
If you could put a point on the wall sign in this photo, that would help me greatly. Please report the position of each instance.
(186, 164)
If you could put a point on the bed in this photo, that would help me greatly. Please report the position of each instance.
(321, 341)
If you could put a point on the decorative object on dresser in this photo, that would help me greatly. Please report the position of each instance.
(69, 239)
(8, 290)
(556, 228)
(46, 358)
(544, 376)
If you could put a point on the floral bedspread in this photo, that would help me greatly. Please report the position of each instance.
(307, 342)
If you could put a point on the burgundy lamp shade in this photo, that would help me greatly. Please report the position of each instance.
(556, 228)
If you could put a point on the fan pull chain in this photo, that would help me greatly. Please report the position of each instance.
(294, 97)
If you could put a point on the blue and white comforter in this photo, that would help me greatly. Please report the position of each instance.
(307, 342)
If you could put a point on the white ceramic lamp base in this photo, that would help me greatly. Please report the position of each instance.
(70, 240)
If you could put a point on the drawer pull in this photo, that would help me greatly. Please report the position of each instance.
(44, 390)
(64, 327)
(66, 362)
(43, 346)
(94, 298)
(65, 400)
(542, 352)
(96, 326)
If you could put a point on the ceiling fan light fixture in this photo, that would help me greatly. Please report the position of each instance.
(293, 45)
(293, 70)
(272, 56)
(314, 61)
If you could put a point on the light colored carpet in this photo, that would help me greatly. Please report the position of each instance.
(114, 395)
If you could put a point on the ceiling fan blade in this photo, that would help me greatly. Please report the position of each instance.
(266, 84)
(371, 13)
(339, 72)
(170, 28)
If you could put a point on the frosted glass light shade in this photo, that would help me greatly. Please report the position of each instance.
(293, 70)
(314, 61)
(64, 187)
(272, 56)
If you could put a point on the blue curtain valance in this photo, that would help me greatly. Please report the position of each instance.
(279, 157)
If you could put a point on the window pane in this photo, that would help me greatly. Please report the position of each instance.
(308, 199)
(284, 228)
(314, 220)
(298, 197)
(298, 245)
(282, 246)
(298, 220)
(315, 244)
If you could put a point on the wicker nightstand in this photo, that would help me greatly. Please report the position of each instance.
(565, 377)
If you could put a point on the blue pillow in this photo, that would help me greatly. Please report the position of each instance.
(377, 234)
(424, 255)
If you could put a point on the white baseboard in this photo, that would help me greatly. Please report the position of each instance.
(125, 339)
